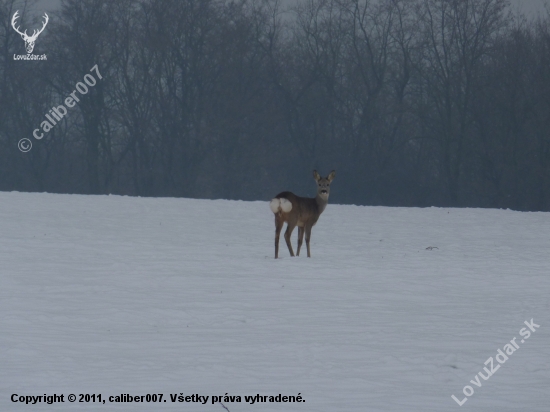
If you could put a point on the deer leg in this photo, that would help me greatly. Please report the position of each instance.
(308, 236)
(289, 229)
(300, 239)
(278, 227)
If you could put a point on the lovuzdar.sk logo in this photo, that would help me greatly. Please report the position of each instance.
(29, 40)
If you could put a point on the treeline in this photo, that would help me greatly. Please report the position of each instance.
(413, 102)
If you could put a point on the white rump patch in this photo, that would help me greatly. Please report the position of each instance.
(274, 205)
(278, 205)
(286, 206)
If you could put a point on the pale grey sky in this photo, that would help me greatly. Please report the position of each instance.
(531, 6)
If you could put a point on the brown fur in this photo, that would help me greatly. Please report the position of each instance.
(304, 214)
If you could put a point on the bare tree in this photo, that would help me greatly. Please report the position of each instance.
(457, 37)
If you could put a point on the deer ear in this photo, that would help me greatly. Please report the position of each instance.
(331, 175)
(316, 175)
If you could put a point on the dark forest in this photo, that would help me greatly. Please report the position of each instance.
(414, 103)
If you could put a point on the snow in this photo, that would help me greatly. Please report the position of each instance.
(117, 295)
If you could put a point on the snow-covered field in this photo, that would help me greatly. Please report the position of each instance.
(116, 295)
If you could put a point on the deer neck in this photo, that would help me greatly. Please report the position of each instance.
(322, 202)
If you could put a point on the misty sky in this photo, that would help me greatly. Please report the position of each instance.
(529, 6)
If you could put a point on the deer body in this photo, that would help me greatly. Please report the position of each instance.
(300, 211)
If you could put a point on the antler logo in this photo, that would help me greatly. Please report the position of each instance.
(29, 40)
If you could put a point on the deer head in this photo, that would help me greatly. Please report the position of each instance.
(323, 184)
(29, 40)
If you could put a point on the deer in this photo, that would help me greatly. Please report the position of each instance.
(300, 211)
(29, 40)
